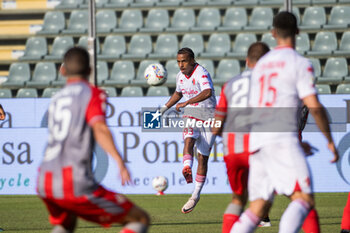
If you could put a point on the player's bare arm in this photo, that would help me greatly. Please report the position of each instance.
(319, 113)
(174, 99)
(2, 113)
(104, 138)
(218, 130)
(205, 94)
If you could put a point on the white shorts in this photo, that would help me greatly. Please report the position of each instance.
(278, 168)
(204, 138)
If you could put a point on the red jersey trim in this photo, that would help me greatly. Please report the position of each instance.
(222, 105)
(48, 185)
(192, 72)
(68, 187)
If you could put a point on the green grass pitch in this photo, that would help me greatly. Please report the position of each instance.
(27, 214)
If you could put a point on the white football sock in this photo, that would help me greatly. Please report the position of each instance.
(246, 223)
(200, 180)
(294, 216)
(188, 160)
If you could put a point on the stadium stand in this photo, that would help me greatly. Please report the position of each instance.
(114, 46)
(49, 92)
(60, 45)
(83, 42)
(110, 91)
(208, 19)
(54, 23)
(78, 22)
(5, 93)
(241, 44)
(19, 73)
(44, 73)
(193, 41)
(27, 93)
(130, 21)
(218, 45)
(140, 46)
(235, 18)
(131, 91)
(36, 48)
(157, 20)
(106, 21)
(334, 71)
(227, 69)
(323, 89)
(183, 19)
(102, 72)
(166, 46)
(158, 91)
(121, 74)
(314, 18)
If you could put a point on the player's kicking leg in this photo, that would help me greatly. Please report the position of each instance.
(188, 159)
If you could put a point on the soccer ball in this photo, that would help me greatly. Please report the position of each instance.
(160, 184)
(155, 74)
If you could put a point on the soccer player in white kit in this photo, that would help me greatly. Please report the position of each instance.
(194, 84)
(281, 81)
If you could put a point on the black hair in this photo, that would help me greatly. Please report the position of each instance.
(256, 51)
(285, 24)
(77, 62)
(186, 51)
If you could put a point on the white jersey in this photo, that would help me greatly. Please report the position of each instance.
(280, 80)
(193, 85)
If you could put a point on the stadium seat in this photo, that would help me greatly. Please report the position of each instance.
(315, 2)
(195, 3)
(218, 45)
(158, 91)
(334, 71)
(54, 23)
(131, 91)
(235, 18)
(271, 2)
(78, 22)
(157, 20)
(339, 18)
(302, 43)
(325, 43)
(193, 41)
(102, 72)
(241, 44)
(121, 74)
(130, 21)
(19, 73)
(208, 65)
(261, 18)
(83, 42)
(323, 89)
(140, 79)
(139, 47)
(217, 90)
(49, 92)
(106, 21)
(245, 2)
(343, 89)
(59, 82)
(314, 18)
(166, 46)
(69, 4)
(227, 69)
(118, 3)
(317, 66)
(44, 73)
(220, 2)
(110, 91)
(173, 69)
(98, 3)
(269, 40)
(113, 47)
(169, 3)
(143, 3)
(59, 47)
(27, 93)
(183, 19)
(344, 46)
(36, 48)
(344, 1)
(208, 19)
(5, 93)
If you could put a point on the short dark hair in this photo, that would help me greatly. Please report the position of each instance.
(256, 51)
(285, 24)
(77, 62)
(186, 51)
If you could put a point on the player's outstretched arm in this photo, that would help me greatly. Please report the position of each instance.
(2, 113)
(104, 138)
(319, 113)
(172, 101)
(205, 94)
(218, 130)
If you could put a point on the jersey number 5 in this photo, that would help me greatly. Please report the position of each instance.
(267, 93)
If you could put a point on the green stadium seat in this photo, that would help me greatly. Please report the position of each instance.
(130, 21)
(158, 91)
(260, 19)
(316, 65)
(235, 18)
(36, 48)
(54, 23)
(118, 3)
(343, 89)
(194, 41)
(131, 91)
(268, 39)
(110, 91)
(315, 2)
(173, 69)
(50, 91)
(83, 42)
(140, 79)
(220, 2)
(208, 19)
(241, 44)
(106, 21)
(245, 2)
(314, 18)
(344, 46)
(5, 93)
(44, 73)
(271, 2)
(19, 73)
(169, 3)
(218, 45)
(323, 89)
(140, 46)
(195, 3)
(339, 18)
(166, 46)
(325, 43)
(121, 74)
(227, 69)
(208, 65)
(113, 47)
(98, 3)
(217, 90)
(157, 20)
(27, 93)
(69, 4)
(143, 3)
(183, 19)
(302, 43)
(60, 45)
(102, 72)
(78, 22)
(334, 71)
(59, 82)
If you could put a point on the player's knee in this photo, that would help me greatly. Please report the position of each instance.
(137, 214)
(306, 197)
